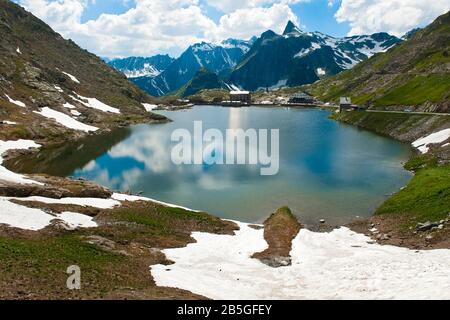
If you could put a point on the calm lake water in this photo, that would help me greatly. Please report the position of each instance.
(327, 169)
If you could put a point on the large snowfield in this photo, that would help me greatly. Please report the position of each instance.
(337, 265)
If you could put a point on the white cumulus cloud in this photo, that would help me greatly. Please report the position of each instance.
(228, 6)
(244, 23)
(392, 16)
(155, 26)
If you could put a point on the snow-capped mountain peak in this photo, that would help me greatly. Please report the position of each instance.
(292, 30)
(134, 67)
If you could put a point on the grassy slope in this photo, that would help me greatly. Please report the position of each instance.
(425, 198)
(412, 73)
(36, 264)
(401, 126)
(203, 80)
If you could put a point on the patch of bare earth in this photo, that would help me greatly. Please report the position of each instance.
(279, 231)
(390, 230)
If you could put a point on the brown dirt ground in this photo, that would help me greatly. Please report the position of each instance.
(279, 231)
(397, 235)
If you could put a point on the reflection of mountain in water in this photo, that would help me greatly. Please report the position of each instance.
(64, 160)
(326, 168)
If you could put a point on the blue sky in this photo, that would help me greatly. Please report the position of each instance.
(120, 28)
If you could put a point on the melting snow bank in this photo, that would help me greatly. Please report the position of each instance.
(95, 104)
(65, 120)
(83, 202)
(22, 217)
(337, 265)
(10, 176)
(437, 137)
(73, 78)
(16, 102)
(125, 197)
(26, 218)
(149, 107)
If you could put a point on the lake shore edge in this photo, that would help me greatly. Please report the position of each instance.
(130, 213)
(400, 226)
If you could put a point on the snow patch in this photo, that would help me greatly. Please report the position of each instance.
(321, 72)
(26, 218)
(125, 197)
(76, 220)
(65, 120)
(73, 78)
(58, 88)
(149, 107)
(69, 106)
(437, 137)
(7, 175)
(18, 50)
(280, 84)
(95, 104)
(147, 71)
(306, 51)
(83, 202)
(22, 217)
(9, 122)
(337, 265)
(16, 102)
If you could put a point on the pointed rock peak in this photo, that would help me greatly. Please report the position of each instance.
(291, 28)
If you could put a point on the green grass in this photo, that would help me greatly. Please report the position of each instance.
(381, 123)
(418, 90)
(38, 263)
(421, 161)
(426, 198)
(45, 261)
(164, 217)
(439, 57)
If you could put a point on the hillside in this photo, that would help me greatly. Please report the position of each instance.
(51, 89)
(415, 74)
(203, 79)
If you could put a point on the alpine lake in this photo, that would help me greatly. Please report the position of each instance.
(327, 170)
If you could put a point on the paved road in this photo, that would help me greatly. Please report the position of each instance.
(422, 113)
(401, 112)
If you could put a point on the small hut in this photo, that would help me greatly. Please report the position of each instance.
(240, 97)
(301, 97)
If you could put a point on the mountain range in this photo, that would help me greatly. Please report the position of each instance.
(296, 57)
(219, 58)
(270, 61)
(414, 74)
